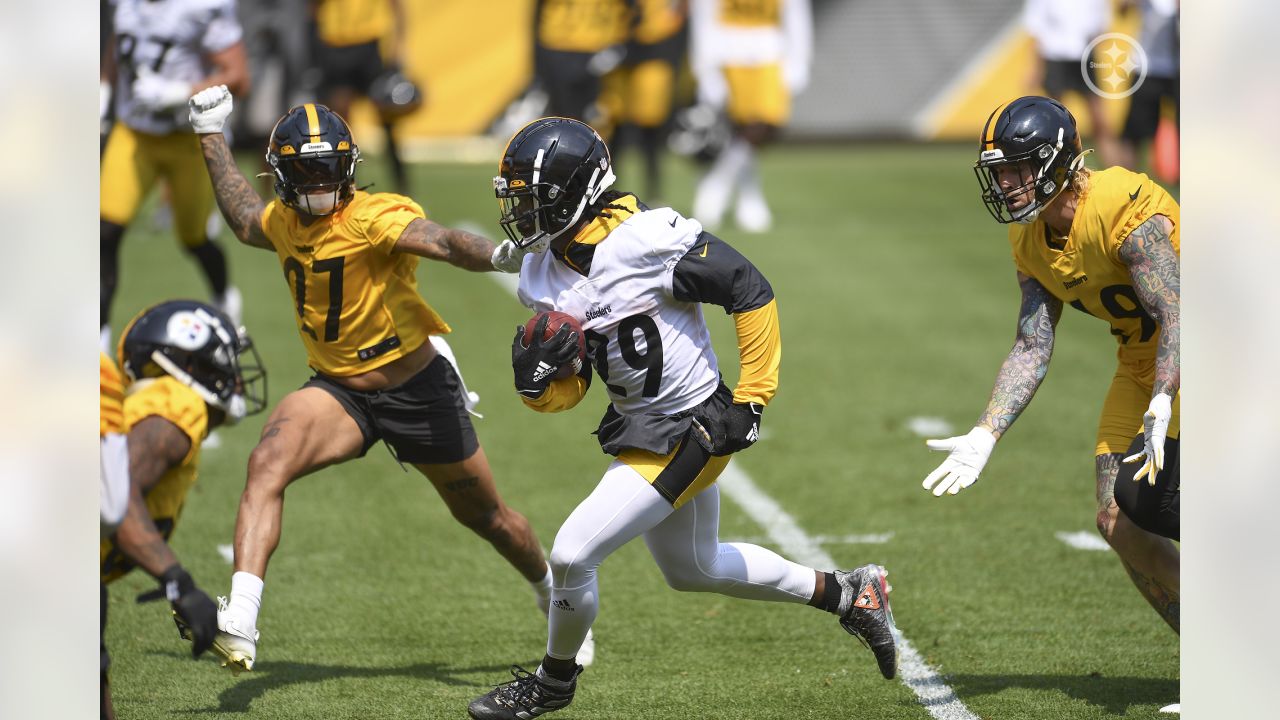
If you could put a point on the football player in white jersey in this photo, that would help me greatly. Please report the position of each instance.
(636, 279)
(749, 58)
(162, 52)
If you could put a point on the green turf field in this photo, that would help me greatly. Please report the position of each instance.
(897, 300)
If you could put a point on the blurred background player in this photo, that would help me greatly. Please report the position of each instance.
(1160, 42)
(354, 62)
(577, 43)
(647, 81)
(749, 58)
(671, 424)
(182, 359)
(1118, 261)
(349, 259)
(1062, 30)
(161, 52)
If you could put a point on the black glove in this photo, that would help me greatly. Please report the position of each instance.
(738, 428)
(194, 613)
(536, 365)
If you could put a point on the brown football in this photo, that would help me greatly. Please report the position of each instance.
(555, 319)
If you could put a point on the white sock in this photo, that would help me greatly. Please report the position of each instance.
(246, 597)
(542, 592)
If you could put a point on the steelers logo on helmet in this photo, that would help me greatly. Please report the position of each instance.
(550, 172)
(197, 345)
(313, 160)
(1028, 153)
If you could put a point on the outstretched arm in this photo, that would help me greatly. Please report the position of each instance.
(459, 248)
(155, 446)
(1028, 361)
(1153, 266)
(237, 200)
(1016, 383)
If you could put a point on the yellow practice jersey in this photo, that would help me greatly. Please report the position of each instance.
(169, 399)
(1087, 272)
(356, 298)
(583, 25)
(111, 416)
(751, 13)
(658, 20)
(352, 22)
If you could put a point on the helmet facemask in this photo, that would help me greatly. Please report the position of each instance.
(534, 213)
(317, 183)
(1053, 167)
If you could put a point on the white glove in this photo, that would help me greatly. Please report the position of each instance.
(508, 258)
(968, 454)
(1155, 425)
(209, 109)
(159, 93)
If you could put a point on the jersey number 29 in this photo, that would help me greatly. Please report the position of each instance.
(650, 360)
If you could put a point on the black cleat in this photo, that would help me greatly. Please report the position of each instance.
(865, 614)
(524, 698)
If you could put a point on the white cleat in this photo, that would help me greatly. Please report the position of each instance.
(587, 653)
(1175, 709)
(236, 646)
(753, 214)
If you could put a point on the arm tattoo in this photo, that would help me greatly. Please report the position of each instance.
(1153, 266)
(155, 446)
(459, 248)
(1028, 362)
(239, 203)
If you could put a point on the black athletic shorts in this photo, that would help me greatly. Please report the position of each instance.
(572, 89)
(349, 66)
(423, 421)
(1063, 75)
(1154, 508)
(1144, 108)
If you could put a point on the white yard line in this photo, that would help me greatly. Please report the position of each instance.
(934, 694)
(1083, 540)
(868, 539)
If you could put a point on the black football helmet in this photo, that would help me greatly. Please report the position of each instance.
(313, 159)
(395, 94)
(1037, 134)
(197, 344)
(552, 169)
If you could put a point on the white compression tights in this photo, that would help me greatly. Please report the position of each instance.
(685, 543)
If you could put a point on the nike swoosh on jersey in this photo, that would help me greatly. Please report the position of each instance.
(704, 249)
(1134, 195)
(673, 222)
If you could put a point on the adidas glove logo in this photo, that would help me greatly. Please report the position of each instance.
(754, 433)
(542, 371)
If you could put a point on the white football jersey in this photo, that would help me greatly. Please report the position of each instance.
(172, 38)
(653, 352)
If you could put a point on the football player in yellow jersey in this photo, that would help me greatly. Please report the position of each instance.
(656, 51)
(348, 258)
(1107, 243)
(576, 43)
(182, 359)
(352, 62)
